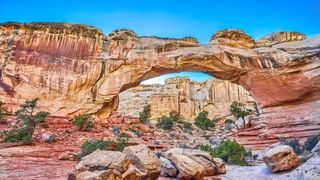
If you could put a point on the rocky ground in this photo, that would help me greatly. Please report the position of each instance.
(41, 160)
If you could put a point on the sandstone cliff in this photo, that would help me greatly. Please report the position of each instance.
(77, 69)
(182, 95)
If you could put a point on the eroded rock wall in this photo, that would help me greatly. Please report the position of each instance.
(182, 95)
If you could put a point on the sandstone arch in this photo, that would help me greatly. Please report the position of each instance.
(77, 69)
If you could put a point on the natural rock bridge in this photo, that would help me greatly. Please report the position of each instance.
(77, 69)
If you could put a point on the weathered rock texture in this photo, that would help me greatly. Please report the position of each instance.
(182, 95)
(77, 69)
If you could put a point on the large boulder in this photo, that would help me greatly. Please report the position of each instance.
(145, 160)
(281, 158)
(232, 37)
(202, 163)
(103, 160)
(99, 175)
(167, 168)
(187, 167)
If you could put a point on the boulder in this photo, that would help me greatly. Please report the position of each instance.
(233, 38)
(239, 122)
(187, 167)
(48, 138)
(97, 175)
(144, 159)
(281, 158)
(167, 168)
(102, 160)
(221, 168)
(67, 155)
(132, 173)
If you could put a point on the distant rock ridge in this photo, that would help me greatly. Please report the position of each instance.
(185, 96)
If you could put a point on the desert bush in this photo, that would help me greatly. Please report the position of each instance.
(228, 121)
(165, 122)
(230, 151)
(83, 122)
(238, 110)
(91, 145)
(145, 115)
(311, 142)
(135, 131)
(187, 125)
(202, 120)
(27, 120)
(123, 139)
(3, 113)
(175, 116)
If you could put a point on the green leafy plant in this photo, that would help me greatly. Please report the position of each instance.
(165, 123)
(311, 142)
(145, 115)
(27, 120)
(230, 151)
(187, 125)
(123, 139)
(202, 120)
(3, 113)
(83, 122)
(91, 145)
(135, 131)
(175, 116)
(238, 110)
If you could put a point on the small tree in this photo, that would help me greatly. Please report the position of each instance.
(83, 122)
(145, 114)
(165, 122)
(27, 120)
(3, 112)
(93, 144)
(202, 120)
(238, 110)
(123, 140)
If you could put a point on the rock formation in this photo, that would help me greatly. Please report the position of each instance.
(182, 95)
(77, 69)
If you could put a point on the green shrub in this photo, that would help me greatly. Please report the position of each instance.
(187, 125)
(3, 113)
(135, 131)
(27, 121)
(311, 142)
(123, 140)
(230, 151)
(145, 115)
(165, 123)
(175, 116)
(238, 110)
(202, 120)
(83, 122)
(228, 121)
(91, 145)
(18, 135)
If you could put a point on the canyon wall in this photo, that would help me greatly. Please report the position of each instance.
(77, 69)
(187, 97)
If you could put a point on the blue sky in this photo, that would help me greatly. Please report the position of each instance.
(173, 18)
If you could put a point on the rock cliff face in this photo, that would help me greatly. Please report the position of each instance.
(182, 95)
(77, 69)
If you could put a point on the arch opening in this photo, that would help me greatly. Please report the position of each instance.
(185, 92)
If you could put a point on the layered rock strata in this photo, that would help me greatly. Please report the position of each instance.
(77, 69)
(182, 95)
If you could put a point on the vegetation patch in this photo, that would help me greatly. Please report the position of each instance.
(144, 116)
(27, 120)
(93, 144)
(83, 122)
(202, 121)
(230, 151)
(165, 123)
